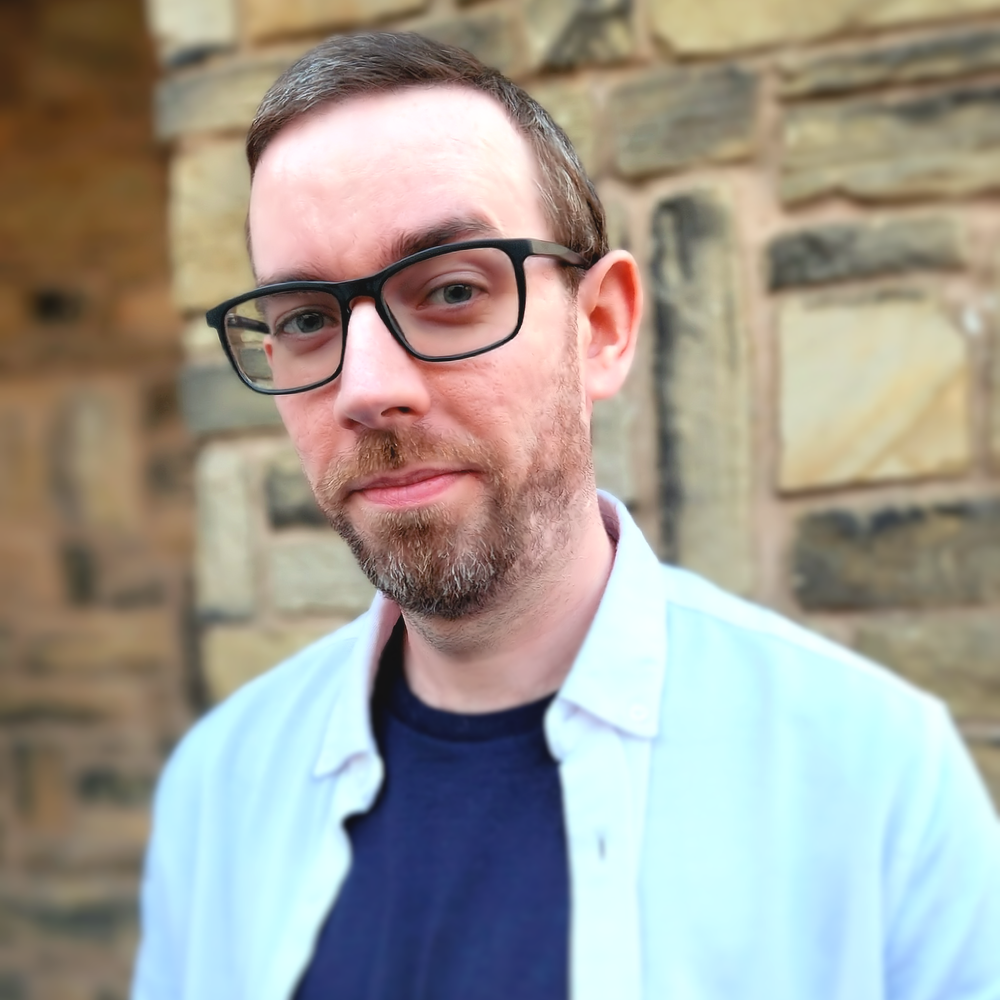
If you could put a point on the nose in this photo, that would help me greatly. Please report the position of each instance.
(379, 385)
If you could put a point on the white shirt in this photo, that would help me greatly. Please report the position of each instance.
(752, 813)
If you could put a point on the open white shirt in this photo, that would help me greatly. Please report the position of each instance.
(752, 813)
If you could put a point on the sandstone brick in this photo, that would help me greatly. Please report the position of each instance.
(264, 19)
(729, 24)
(49, 700)
(856, 250)
(947, 143)
(702, 389)
(956, 658)
(318, 575)
(218, 96)
(233, 656)
(213, 399)
(186, 28)
(209, 192)
(937, 57)
(103, 643)
(571, 104)
(94, 457)
(612, 430)
(224, 561)
(987, 758)
(994, 397)
(492, 36)
(290, 500)
(674, 118)
(874, 386)
(116, 572)
(40, 786)
(567, 33)
(112, 786)
(75, 910)
(945, 554)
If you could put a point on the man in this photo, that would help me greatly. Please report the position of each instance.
(542, 765)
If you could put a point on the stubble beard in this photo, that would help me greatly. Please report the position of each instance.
(447, 563)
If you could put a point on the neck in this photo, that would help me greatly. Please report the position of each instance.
(522, 647)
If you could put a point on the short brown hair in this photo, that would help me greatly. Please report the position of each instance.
(346, 66)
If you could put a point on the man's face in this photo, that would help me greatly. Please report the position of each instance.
(451, 480)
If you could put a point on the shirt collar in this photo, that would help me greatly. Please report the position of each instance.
(617, 676)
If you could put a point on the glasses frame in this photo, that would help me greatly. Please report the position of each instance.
(370, 287)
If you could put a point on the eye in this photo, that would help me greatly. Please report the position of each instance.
(452, 295)
(305, 323)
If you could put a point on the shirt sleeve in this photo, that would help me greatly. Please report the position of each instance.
(943, 889)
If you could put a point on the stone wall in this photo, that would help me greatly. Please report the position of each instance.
(814, 419)
(96, 505)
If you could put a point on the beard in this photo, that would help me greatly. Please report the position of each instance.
(446, 562)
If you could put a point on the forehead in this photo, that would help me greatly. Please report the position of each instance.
(342, 187)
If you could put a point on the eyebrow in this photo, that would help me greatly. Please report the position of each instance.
(402, 245)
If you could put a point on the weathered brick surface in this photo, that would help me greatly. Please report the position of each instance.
(209, 191)
(703, 393)
(850, 251)
(101, 644)
(994, 401)
(233, 656)
(612, 432)
(942, 555)
(290, 501)
(492, 35)
(668, 119)
(731, 24)
(214, 399)
(224, 563)
(571, 104)
(945, 143)
(937, 57)
(187, 28)
(956, 658)
(264, 19)
(220, 96)
(567, 33)
(874, 386)
(316, 575)
(987, 757)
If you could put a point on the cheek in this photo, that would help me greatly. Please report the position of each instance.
(308, 420)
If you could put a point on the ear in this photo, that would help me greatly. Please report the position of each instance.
(609, 301)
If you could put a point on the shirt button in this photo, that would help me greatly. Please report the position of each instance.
(638, 713)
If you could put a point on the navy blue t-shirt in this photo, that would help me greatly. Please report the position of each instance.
(459, 886)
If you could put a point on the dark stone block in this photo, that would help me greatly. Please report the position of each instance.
(290, 501)
(936, 58)
(113, 574)
(12, 987)
(571, 33)
(852, 251)
(678, 117)
(491, 37)
(213, 399)
(909, 557)
(95, 920)
(169, 474)
(108, 786)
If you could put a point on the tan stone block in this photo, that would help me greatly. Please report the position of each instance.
(233, 656)
(50, 700)
(264, 19)
(945, 143)
(702, 369)
(957, 659)
(22, 475)
(724, 25)
(94, 451)
(674, 118)
(492, 36)
(41, 792)
(567, 33)
(181, 26)
(873, 387)
(571, 105)
(995, 400)
(316, 574)
(209, 193)
(612, 431)
(101, 643)
(218, 96)
(224, 566)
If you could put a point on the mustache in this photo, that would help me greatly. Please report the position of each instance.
(378, 451)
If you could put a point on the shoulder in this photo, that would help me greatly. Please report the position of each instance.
(751, 661)
(283, 712)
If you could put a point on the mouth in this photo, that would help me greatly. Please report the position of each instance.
(408, 487)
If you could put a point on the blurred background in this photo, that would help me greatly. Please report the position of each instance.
(813, 422)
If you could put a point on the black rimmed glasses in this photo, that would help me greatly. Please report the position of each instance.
(444, 304)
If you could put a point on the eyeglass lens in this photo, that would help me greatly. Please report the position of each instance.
(453, 304)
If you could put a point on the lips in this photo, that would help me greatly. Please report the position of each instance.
(409, 487)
